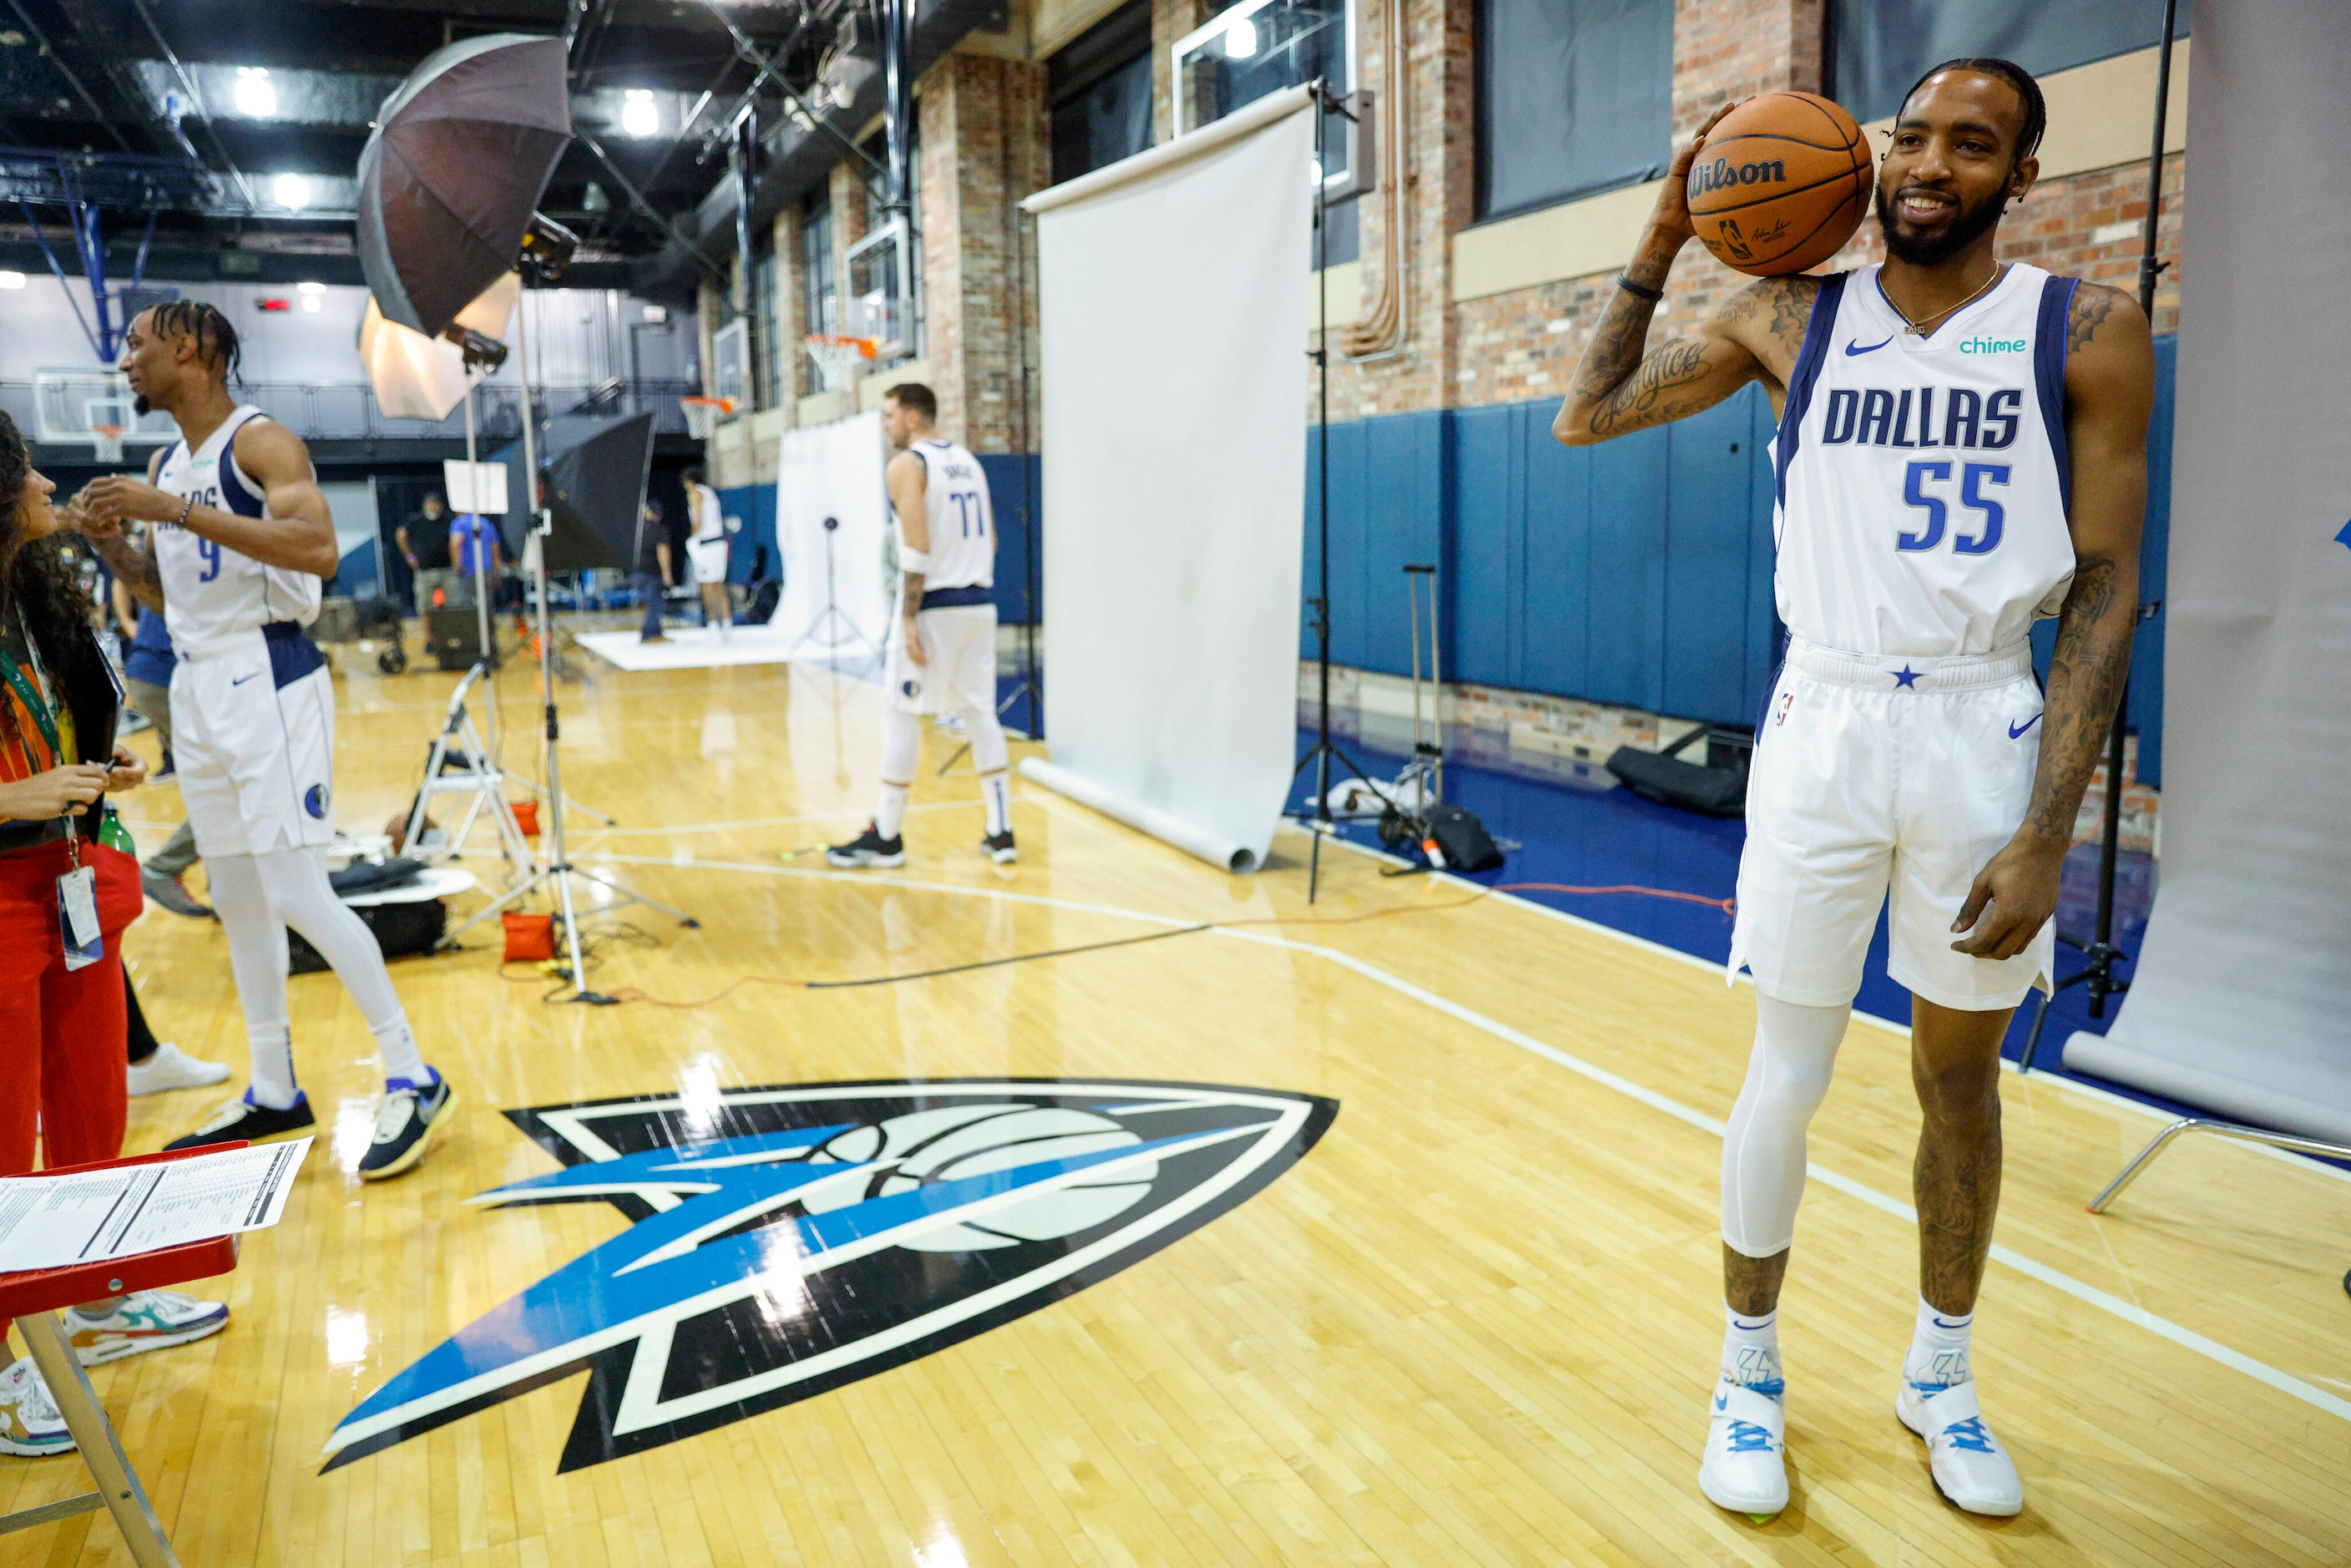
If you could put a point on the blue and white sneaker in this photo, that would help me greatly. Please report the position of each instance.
(142, 1321)
(1970, 1468)
(411, 1117)
(30, 1426)
(1746, 1464)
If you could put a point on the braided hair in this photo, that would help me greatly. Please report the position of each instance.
(39, 585)
(216, 344)
(2028, 92)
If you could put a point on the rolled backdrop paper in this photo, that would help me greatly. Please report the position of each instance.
(2239, 998)
(1173, 325)
(833, 471)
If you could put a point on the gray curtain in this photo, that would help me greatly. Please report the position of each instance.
(1882, 47)
(2238, 999)
(1574, 97)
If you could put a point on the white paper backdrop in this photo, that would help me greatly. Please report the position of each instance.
(834, 471)
(1174, 331)
(2241, 994)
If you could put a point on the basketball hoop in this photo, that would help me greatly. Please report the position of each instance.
(702, 414)
(107, 442)
(840, 361)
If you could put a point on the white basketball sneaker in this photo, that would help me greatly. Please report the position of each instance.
(1970, 1468)
(1746, 1465)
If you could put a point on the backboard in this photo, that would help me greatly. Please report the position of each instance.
(69, 406)
(1261, 46)
(881, 304)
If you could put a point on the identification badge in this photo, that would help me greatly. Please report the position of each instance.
(77, 918)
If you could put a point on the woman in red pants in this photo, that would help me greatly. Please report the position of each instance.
(64, 901)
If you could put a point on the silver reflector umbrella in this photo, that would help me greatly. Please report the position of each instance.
(459, 157)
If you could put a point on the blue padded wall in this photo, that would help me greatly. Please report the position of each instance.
(1636, 572)
(756, 505)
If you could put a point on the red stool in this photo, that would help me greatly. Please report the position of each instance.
(34, 1300)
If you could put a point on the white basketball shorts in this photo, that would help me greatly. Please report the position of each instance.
(1876, 779)
(253, 733)
(709, 558)
(960, 675)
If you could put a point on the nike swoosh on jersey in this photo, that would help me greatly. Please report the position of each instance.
(2016, 731)
(1852, 346)
(242, 679)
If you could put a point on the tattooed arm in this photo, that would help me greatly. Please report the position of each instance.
(2109, 393)
(133, 561)
(1754, 337)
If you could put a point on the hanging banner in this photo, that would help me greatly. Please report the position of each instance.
(1173, 336)
(2237, 1000)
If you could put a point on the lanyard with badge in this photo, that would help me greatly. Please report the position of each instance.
(78, 929)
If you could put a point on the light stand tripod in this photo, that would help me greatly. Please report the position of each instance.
(1324, 749)
(833, 621)
(557, 868)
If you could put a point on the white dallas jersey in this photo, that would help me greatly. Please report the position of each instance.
(1922, 482)
(962, 523)
(209, 590)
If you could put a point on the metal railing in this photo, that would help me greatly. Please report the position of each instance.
(347, 410)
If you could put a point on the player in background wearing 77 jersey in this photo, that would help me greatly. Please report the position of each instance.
(240, 538)
(1962, 449)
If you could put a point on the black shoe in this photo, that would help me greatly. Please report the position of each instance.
(409, 1120)
(242, 1121)
(867, 849)
(172, 894)
(1000, 847)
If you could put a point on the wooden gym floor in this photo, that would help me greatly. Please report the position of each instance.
(1474, 1323)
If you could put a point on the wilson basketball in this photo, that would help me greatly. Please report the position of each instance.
(1780, 184)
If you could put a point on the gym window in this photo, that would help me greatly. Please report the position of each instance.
(1574, 97)
(1099, 88)
(1878, 47)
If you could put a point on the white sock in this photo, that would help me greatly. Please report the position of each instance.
(890, 815)
(1938, 1348)
(1751, 1348)
(396, 1043)
(997, 790)
(256, 958)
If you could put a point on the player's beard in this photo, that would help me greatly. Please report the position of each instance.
(142, 405)
(1932, 250)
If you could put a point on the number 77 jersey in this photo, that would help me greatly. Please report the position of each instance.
(1923, 483)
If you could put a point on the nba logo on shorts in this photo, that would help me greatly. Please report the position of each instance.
(314, 800)
(1787, 701)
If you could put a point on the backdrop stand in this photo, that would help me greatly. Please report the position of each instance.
(2098, 974)
(834, 621)
(1324, 751)
(557, 868)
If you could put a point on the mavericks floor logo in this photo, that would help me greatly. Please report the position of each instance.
(789, 1240)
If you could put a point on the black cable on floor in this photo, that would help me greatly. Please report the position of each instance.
(992, 963)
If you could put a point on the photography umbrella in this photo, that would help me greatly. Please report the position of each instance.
(595, 474)
(459, 157)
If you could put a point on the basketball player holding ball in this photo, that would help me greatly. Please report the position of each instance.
(1961, 450)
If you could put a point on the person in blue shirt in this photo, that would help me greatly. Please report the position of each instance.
(476, 552)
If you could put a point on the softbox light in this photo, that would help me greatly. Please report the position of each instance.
(595, 475)
(417, 377)
(460, 156)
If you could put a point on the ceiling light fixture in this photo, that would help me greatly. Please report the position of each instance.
(311, 304)
(311, 286)
(257, 97)
(292, 191)
(639, 115)
(12, 280)
(1240, 39)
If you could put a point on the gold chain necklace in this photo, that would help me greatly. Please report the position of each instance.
(1919, 329)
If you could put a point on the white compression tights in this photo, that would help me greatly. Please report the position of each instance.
(257, 897)
(1763, 1153)
(902, 754)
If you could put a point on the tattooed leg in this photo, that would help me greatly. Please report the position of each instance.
(1955, 1065)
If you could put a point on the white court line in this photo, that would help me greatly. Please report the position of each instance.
(2187, 1338)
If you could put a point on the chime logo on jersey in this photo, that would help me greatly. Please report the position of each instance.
(790, 1240)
